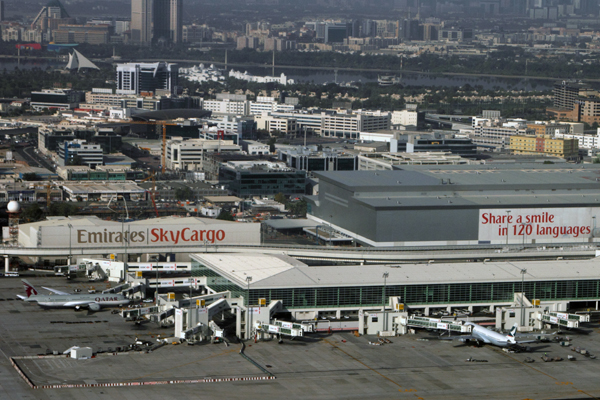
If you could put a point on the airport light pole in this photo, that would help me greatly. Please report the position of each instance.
(248, 280)
(70, 246)
(507, 216)
(385, 276)
(523, 272)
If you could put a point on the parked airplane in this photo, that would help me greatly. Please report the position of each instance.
(480, 335)
(59, 299)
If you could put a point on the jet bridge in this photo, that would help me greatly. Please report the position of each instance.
(565, 320)
(434, 323)
(280, 328)
(135, 313)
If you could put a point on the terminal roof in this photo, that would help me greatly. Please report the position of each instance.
(278, 271)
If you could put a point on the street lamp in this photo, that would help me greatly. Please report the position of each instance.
(523, 272)
(248, 323)
(385, 276)
(507, 217)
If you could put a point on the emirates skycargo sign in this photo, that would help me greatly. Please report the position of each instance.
(152, 236)
(525, 224)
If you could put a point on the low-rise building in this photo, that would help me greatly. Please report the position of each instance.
(100, 173)
(262, 178)
(227, 106)
(392, 161)
(61, 99)
(433, 142)
(254, 148)
(189, 155)
(585, 141)
(79, 152)
(545, 144)
(272, 124)
(311, 159)
(102, 191)
(348, 124)
(183, 190)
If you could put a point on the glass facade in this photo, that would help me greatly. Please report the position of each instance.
(263, 183)
(430, 294)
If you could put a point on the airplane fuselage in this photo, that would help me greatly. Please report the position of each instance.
(490, 337)
(57, 300)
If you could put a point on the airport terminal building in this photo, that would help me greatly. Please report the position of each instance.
(461, 204)
(311, 292)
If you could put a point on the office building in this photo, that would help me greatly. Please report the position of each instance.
(79, 152)
(141, 21)
(56, 99)
(147, 78)
(189, 155)
(167, 18)
(348, 125)
(311, 159)
(261, 178)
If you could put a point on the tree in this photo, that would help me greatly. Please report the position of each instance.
(184, 193)
(271, 144)
(280, 198)
(32, 213)
(225, 216)
(63, 209)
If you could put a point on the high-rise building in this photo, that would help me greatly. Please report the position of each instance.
(156, 21)
(141, 21)
(138, 78)
(176, 20)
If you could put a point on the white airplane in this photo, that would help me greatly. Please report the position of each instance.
(480, 335)
(59, 299)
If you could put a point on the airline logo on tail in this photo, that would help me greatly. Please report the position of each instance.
(29, 289)
(513, 331)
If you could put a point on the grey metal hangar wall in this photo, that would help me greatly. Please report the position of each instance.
(392, 208)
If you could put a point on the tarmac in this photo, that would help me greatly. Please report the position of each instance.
(323, 366)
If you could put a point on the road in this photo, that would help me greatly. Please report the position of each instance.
(28, 155)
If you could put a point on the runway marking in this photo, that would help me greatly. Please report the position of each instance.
(183, 365)
(372, 369)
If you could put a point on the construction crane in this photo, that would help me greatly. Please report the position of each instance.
(152, 193)
(164, 138)
(48, 193)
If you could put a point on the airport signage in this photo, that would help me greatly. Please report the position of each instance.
(170, 282)
(152, 236)
(441, 325)
(523, 225)
(169, 267)
(273, 328)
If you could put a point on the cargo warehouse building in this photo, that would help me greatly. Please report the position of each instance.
(461, 205)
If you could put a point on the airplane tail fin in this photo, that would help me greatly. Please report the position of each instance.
(29, 289)
(513, 331)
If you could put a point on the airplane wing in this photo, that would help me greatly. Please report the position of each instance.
(56, 291)
(75, 303)
(462, 338)
(21, 297)
(527, 341)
